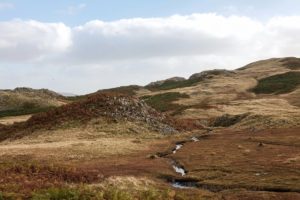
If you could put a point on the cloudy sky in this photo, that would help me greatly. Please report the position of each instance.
(82, 46)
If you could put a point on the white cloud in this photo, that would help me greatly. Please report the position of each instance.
(4, 6)
(32, 41)
(103, 54)
(74, 9)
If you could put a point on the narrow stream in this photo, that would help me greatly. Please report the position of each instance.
(182, 184)
(178, 146)
(179, 170)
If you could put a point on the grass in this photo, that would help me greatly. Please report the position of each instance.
(70, 194)
(167, 85)
(24, 111)
(164, 102)
(278, 84)
(126, 90)
(291, 63)
(109, 193)
(228, 120)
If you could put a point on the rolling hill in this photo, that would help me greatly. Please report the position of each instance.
(21, 101)
(264, 92)
(219, 134)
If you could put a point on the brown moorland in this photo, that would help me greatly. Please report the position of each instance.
(228, 141)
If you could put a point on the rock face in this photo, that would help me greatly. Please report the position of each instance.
(173, 79)
(209, 73)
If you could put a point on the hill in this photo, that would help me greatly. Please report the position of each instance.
(262, 94)
(217, 135)
(106, 107)
(22, 101)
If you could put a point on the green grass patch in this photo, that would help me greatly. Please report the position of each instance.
(18, 112)
(278, 84)
(167, 85)
(164, 102)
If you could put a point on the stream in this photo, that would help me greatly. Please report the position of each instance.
(182, 184)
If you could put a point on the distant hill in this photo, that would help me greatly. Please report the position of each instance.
(27, 101)
(262, 94)
(67, 94)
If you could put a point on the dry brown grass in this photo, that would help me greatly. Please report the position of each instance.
(97, 158)
(231, 160)
(15, 119)
(231, 95)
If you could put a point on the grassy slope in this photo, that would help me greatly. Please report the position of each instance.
(28, 101)
(291, 63)
(24, 111)
(126, 90)
(278, 84)
(168, 85)
(164, 102)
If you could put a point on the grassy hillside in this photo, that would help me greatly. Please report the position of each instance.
(164, 102)
(24, 111)
(126, 90)
(278, 84)
(167, 85)
(112, 107)
(22, 101)
(291, 63)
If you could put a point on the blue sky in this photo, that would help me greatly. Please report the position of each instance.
(82, 46)
(53, 11)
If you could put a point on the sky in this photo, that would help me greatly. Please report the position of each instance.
(83, 46)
